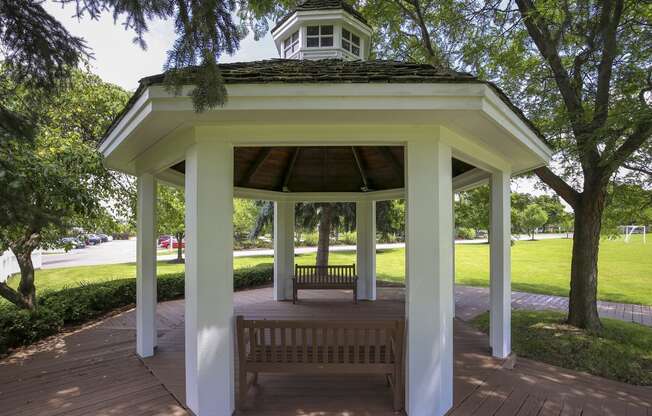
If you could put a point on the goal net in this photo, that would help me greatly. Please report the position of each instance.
(629, 230)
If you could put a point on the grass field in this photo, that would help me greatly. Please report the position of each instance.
(543, 266)
(622, 351)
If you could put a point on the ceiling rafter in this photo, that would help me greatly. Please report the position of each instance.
(365, 182)
(288, 171)
(260, 159)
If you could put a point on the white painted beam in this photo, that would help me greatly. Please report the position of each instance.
(283, 249)
(500, 266)
(365, 220)
(209, 279)
(146, 267)
(429, 278)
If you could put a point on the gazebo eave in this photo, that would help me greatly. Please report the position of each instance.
(150, 133)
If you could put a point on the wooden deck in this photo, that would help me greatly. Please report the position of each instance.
(95, 372)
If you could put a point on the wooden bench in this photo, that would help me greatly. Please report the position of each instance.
(324, 277)
(320, 347)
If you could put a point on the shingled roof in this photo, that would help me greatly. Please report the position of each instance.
(311, 5)
(333, 71)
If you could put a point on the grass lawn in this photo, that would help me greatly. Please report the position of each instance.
(537, 266)
(623, 351)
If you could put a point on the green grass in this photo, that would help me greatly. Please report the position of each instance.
(622, 351)
(543, 266)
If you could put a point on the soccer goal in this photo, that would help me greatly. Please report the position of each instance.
(628, 230)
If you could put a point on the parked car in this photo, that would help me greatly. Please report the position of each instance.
(162, 238)
(105, 238)
(175, 243)
(481, 234)
(92, 240)
(72, 242)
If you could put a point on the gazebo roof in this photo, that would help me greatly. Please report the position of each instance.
(334, 71)
(329, 92)
(313, 5)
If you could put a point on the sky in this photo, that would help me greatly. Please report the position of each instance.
(120, 61)
(117, 59)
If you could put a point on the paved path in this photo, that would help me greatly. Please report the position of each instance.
(471, 301)
(124, 251)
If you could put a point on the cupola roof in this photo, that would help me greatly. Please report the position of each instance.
(316, 5)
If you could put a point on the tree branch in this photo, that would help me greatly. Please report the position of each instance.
(609, 21)
(637, 169)
(563, 189)
(541, 36)
(12, 296)
(642, 132)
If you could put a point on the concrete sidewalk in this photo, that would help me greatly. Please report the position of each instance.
(472, 301)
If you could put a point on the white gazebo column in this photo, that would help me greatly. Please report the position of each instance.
(146, 266)
(500, 266)
(283, 249)
(209, 279)
(429, 280)
(453, 252)
(365, 224)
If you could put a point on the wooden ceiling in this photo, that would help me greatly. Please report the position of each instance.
(322, 169)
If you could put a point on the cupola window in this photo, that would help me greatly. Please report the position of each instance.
(319, 36)
(291, 44)
(350, 42)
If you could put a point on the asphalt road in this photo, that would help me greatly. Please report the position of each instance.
(124, 251)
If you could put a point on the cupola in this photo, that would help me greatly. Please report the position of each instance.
(323, 29)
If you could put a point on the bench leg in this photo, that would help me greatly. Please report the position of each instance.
(355, 294)
(243, 388)
(396, 393)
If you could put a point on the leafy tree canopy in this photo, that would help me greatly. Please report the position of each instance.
(57, 180)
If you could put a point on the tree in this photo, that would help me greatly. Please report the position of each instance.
(627, 205)
(38, 52)
(566, 223)
(171, 216)
(324, 216)
(534, 217)
(582, 71)
(390, 217)
(472, 209)
(245, 212)
(57, 180)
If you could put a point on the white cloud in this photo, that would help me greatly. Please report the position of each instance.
(120, 61)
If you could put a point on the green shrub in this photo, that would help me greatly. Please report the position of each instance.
(388, 238)
(349, 238)
(258, 275)
(465, 233)
(21, 327)
(309, 240)
(251, 244)
(76, 305)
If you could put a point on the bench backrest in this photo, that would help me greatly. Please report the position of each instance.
(320, 342)
(326, 274)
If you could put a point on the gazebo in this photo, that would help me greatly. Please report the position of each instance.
(324, 124)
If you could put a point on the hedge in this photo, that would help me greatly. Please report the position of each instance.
(80, 304)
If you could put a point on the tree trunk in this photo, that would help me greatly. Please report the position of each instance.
(324, 234)
(179, 247)
(26, 288)
(25, 296)
(583, 311)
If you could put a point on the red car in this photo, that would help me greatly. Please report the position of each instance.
(175, 243)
